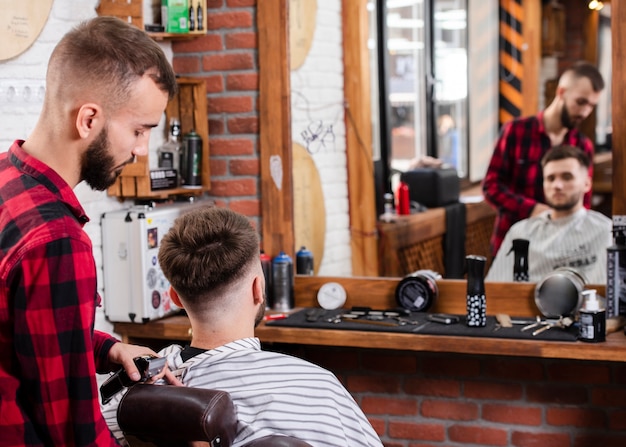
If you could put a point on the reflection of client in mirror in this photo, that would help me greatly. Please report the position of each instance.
(567, 234)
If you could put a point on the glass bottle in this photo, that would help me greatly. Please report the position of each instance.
(169, 152)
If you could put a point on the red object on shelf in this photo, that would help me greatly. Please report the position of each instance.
(403, 207)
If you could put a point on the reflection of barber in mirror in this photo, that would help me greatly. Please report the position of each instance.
(512, 183)
(564, 235)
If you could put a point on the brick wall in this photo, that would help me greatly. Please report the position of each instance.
(427, 399)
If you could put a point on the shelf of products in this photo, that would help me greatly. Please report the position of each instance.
(132, 11)
(190, 107)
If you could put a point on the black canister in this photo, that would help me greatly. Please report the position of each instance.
(304, 262)
(191, 161)
(476, 299)
(418, 291)
(520, 265)
(282, 283)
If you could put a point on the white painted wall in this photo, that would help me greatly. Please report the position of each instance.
(317, 99)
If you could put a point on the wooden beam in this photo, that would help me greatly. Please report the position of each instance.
(618, 34)
(359, 138)
(275, 128)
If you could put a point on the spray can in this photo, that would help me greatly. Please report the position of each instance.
(266, 265)
(592, 319)
(403, 199)
(476, 299)
(616, 275)
(282, 283)
(191, 161)
(520, 265)
(304, 262)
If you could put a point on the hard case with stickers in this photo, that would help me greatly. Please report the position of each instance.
(135, 289)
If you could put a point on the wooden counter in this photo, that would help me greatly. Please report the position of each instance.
(512, 298)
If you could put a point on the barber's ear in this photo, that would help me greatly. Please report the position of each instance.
(258, 289)
(89, 120)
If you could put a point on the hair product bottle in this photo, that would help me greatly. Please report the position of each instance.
(592, 319)
(520, 265)
(616, 275)
(476, 299)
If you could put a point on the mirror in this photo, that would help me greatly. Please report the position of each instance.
(276, 145)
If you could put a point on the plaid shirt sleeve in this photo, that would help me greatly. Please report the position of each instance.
(54, 341)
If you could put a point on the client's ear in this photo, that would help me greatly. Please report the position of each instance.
(258, 289)
(175, 298)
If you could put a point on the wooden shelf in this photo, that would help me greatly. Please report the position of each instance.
(190, 107)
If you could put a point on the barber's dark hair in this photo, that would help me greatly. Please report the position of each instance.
(108, 54)
(583, 69)
(207, 249)
(565, 151)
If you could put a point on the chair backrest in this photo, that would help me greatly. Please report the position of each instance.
(172, 416)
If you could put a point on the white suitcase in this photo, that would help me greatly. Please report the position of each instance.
(135, 289)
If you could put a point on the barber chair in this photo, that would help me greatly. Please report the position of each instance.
(172, 416)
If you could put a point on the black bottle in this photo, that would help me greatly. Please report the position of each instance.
(192, 20)
(476, 300)
(520, 265)
(199, 16)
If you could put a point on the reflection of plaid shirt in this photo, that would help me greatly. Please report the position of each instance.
(514, 180)
(48, 348)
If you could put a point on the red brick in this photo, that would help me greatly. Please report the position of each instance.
(184, 65)
(242, 82)
(454, 366)
(242, 166)
(453, 410)
(492, 390)
(230, 19)
(379, 425)
(619, 374)
(617, 420)
(512, 414)
(240, 3)
(231, 104)
(214, 84)
(467, 434)
(241, 40)
(600, 439)
(373, 384)
(608, 396)
(333, 359)
(209, 42)
(412, 430)
(514, 369)
(432, 387)
(241, 125)
(576, 417)
(216, 127)
(556, 394)
(389, 406)
(246, 207)
(214, 4)
(390, 362)
(526, 439)
(237, 61)
(579, 373)
(233, 188)
(219, 167)
(238, 146)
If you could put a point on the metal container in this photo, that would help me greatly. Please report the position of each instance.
(191, 161)
(559, 294)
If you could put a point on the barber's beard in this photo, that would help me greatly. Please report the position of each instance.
(98, 166)
(567, 120)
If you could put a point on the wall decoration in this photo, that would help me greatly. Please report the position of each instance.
(20, 25)
(302, 19)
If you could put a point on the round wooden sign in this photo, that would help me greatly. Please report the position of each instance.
(20, 24)
(309, 212)
(302, 17)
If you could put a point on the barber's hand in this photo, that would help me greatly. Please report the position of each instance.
(539, 208)
(123, 354)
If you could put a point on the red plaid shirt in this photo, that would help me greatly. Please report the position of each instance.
(48, 347)
(514, 180)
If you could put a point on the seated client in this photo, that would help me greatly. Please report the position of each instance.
(211, 258)
(567, 234)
